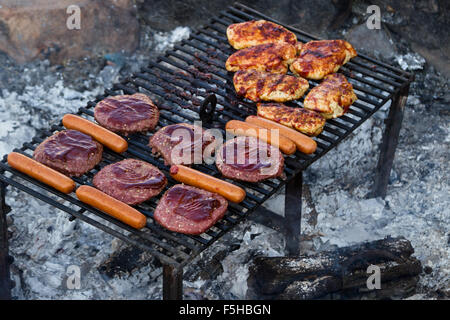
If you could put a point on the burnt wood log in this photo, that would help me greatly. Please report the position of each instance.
(341, 273)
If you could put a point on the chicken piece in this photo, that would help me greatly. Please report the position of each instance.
(251, 33)
(298, 46)
(319, 58)
(303, 120)
(257, 86)
(332, 97)
(270, 57)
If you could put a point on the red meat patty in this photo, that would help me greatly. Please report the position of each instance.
(127, 113)
(249, 159)
(131, 181)
(70, 152)
(189, 210)
(181, 143)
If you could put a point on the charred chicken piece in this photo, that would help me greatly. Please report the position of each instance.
(332, 97)
(320, 58)
(270, 57)
(249, 159)
(252, 33)
(303, 120)
(265, 86)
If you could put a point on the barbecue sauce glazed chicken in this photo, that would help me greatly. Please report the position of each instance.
(270, 57)
(332, 97)
(263, 86)
(303, 120)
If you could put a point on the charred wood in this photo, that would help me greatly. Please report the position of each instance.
(341, 273)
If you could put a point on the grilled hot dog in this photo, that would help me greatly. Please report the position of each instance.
(104, 136)
(111, 206)
(41, 172)
(201, 180)
(241, 128)
(304, 143)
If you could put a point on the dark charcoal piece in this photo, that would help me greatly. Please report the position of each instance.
(127, 113)
(131, 181)
(189, 210)
(70, 152)
(240, 159)
(165, 140)
(342, 273)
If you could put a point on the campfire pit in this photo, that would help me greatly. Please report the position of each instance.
(184, 78)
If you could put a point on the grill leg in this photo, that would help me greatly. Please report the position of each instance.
(172, 283)
(293, 214)
(5, 260)
(389, 144)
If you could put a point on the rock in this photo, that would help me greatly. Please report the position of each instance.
(422, 24)
(373, 41)
(32, 29)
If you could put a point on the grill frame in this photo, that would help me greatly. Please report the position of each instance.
(203, 73)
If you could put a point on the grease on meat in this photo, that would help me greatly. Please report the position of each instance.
(303, 120)
(252, 33)
(264, 86)
(320, 58)
(270, 57)
(332, 97)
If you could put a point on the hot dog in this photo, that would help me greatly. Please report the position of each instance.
(41, 172)
(111, 206)
(304, 143)
(102, 135)
(201, 180)
(241, 128)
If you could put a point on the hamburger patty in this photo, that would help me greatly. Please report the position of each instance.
(176, 143)
(189, 210)
(127, 113)
(249, 159)
(70, 152)
(130, 181)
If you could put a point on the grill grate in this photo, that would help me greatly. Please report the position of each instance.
(179, 81)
